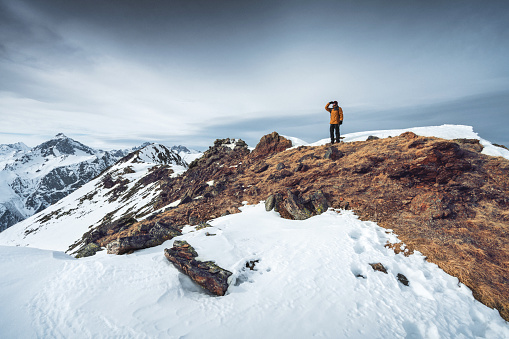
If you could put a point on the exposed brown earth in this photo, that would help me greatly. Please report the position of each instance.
(443, 198)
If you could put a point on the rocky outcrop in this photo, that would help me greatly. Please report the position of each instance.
(270, 144)
(154, 236)
(442, 197)
(295, 207)
(332, 153)
(88, 250)
(205, 273)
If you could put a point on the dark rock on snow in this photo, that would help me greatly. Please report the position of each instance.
(205, 273)
(378, 267)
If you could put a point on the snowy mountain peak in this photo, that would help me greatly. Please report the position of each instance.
(181, 149)
(156, 153)
(18, 146)
(63, 145)
(60, 136)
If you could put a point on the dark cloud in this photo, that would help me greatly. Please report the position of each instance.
(127, 70)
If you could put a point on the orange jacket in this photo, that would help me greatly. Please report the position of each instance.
(336, 114)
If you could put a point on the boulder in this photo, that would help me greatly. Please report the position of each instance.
(379, 267)
(319, 202)
(301, 167)
(402, 279)
(269, 203)
(88, 251)
(158, 234)
(333, 153)
(205, 273)
(295, 208)
(270, 144)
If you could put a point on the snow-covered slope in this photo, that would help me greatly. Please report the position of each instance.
(114, 193)
(33, 179)
(312, 279)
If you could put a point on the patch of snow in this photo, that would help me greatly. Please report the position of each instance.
(312, 279)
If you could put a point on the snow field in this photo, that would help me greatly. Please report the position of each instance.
(305, 284)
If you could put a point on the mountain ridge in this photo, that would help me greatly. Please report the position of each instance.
(432, 192)
(31, 179)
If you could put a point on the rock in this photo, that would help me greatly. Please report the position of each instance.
(202, 225)
(261, 168)
(333, 153)
(270, 203)
(278, 199)
(270, 144)
(88, 251)
(378, 267)
(185, 200)
(372, 137)
(163, 231)
(402, 279)
(127, 244)
(205, 273)
(295, 208)
(280, 175)
(301, 167)
(319, 202)
(158, 234)
(280, 166)
(472, 144)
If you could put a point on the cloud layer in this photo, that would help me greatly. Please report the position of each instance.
(117, 73)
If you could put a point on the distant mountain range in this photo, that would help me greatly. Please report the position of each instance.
(31, 179)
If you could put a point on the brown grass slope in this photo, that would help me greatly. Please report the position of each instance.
(443, 198)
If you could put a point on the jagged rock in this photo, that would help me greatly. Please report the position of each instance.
(295, 208)
(158, 234)
(271, 143)
(333, 153)
(88, 251)
(163, 231)
(379, 267)
(319, 202)
(270, 203)
(127, 244)
(205, 273)
(402, 279)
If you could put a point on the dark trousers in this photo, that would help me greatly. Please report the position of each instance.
(334, 128)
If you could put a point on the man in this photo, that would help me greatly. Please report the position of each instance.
(336, 119)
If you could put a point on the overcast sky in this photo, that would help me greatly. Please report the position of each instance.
(114, 74)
